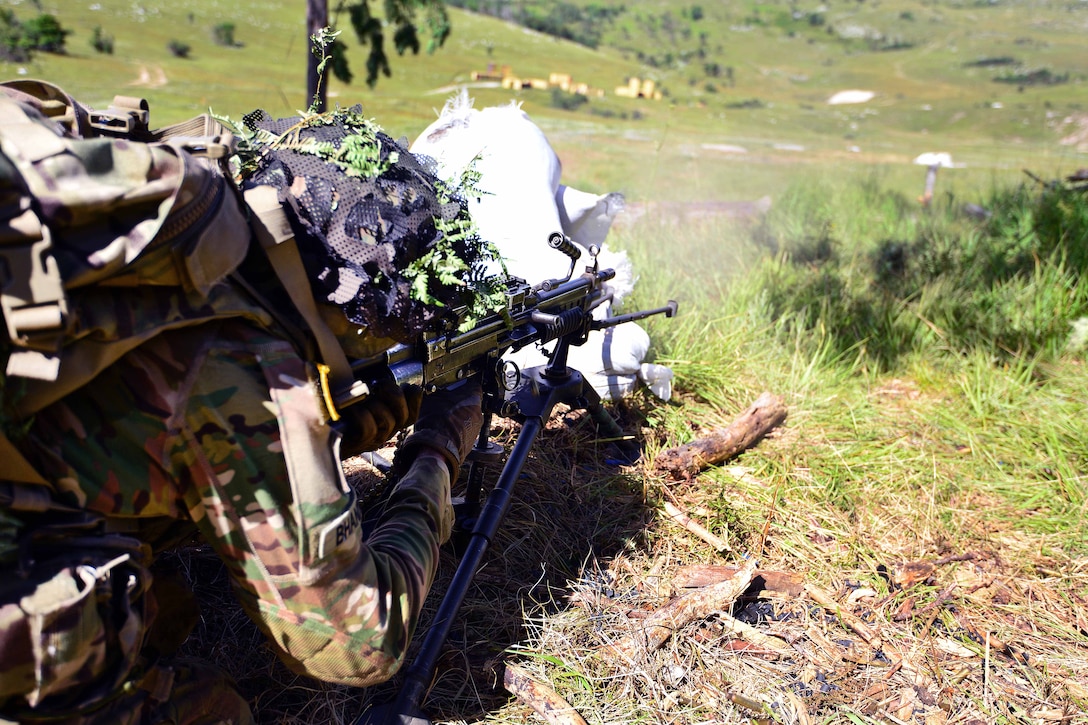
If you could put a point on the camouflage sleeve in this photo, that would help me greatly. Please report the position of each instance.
(263, 483)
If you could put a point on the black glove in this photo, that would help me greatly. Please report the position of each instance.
(449, 423)
(368, 425)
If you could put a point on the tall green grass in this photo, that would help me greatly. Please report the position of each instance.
(924, 354)
(878, 277)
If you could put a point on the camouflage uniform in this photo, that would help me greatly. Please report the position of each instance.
(220, 425)
(181, 405)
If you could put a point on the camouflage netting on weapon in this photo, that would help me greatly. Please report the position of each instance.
(381, 236)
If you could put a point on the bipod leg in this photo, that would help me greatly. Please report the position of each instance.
(629, 449)
(467, 508)
(406, 709)
(589, 399)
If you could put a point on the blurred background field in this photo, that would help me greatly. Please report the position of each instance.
(746, 84)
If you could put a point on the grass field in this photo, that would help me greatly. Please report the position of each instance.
(927, 491)
(929, 96)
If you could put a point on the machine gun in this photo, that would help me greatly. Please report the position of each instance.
(558, 311)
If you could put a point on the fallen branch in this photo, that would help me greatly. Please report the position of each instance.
(701, 575)
(676, 515)
(848, 618)
(547, 703)
(754, 636)
(659, 626)
(683, 462)
(899, 660)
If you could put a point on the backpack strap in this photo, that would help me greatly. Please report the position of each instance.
(18, 469)
(54, 104)
(32, 295)
(273, 231)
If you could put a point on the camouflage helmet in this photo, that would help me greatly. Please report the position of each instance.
(378, 232)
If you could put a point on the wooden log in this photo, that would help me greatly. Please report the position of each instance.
(540, 697)
(701, 575)
(659, 626)
(683, 462)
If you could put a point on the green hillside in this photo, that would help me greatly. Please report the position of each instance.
(919, 517)
(746, 84)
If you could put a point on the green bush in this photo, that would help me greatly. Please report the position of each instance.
(101, 42)
(178, 49)
(223, 34)
(13, 42)
(1033, 77)
(567, 101)
(747, 103)
(46, 34)
(19, 40)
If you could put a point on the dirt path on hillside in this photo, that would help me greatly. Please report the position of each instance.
(1075, 131)
(150, 77)
(458, 86)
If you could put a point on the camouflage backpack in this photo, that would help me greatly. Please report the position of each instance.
(82, 207)
(93, 202)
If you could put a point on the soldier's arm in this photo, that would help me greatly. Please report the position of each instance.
(268, 493)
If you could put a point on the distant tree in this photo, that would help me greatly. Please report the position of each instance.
(19, 40)
(13, 45)
(331, 52)
(223, 34)
(46, 34)
(178, 49)
(101, 41)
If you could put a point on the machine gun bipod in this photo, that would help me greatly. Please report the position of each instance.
(531, 402)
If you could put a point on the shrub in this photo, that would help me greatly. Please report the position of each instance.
(635, 115)
(1033, 77)
(223, 34)
(991, 61)
(46, 34)
(101, 42)
(13, 43)
(178, 49)
(567, 101)
(890, 44)
(748, 103)
(19, 40)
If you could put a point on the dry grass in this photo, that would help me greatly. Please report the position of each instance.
(933, 519)
(570, 508)
(931, 623)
